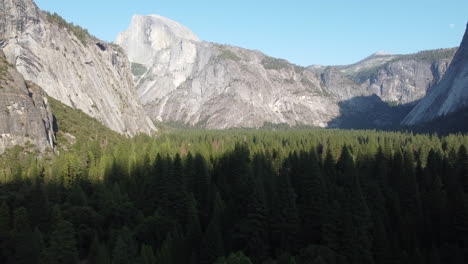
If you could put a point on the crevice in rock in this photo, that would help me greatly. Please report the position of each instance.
(101, 46)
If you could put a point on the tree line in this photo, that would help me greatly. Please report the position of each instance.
(310, 196)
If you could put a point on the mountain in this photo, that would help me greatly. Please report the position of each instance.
(374, 60)
(160, 71)
(406, 78)
(184, 81)
(449, 95)
(25, 115)
(72, 66)
(399, 79)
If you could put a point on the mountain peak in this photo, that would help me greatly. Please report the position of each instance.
(152, 33)
(177, 29)
(381, 53)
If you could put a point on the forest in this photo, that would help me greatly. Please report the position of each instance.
(239, 196)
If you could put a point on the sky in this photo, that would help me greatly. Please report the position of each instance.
(327, 32)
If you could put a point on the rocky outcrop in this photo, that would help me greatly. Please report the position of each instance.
(25, 116)
(399, 79)
(449, 95)
(407, 78)
(187, 81)
(197, 83)
(72, 66)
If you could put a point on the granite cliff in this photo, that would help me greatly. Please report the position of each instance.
(25, 115)
(191, 82)
(185, 81)
(449, 95)
(160, 71)
(72, 66)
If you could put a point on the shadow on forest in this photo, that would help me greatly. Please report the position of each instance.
(370, 112)
(444, 125)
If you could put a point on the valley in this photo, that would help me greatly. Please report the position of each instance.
(162, 147)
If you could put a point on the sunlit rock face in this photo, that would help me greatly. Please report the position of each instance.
(25, 116)
(191, 82)
(196, 83)
(80, 71)
(449, 95)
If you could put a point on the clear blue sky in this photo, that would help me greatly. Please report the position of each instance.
(328, 32)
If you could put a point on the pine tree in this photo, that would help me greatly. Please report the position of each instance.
(178, 199)
(410, 203)
(234, 258)
(201, 187)
(5, 233)
(39, 207)
(173, 250)
(194, 232)
(312, 200)
(285, 220)
(76, 196)
(98, 252)
(329, 167)
(436, 204)
(253, 229)
(94, 250)
(147, 255)
(381, 170)
(285, 259)
(357, 238)
(27, 248)
(212, 246)
(463, 167)
(120, 254)
(458, 206)
(56, 215)
(332, 229)
(381, 245)
(71, 171)
(38, 246)
(103, 255)
(62, 247)
(236, 170)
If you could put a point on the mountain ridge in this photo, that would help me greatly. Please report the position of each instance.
(159, 71)
(185, 80)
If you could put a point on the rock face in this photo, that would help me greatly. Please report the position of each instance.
(449, 95)
(71, 66)
(25, 116)
(406, 78)
(183, 80)
(190, 82)
(399, 79)
(153, 34)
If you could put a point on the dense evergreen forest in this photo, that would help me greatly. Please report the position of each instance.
(240, 196)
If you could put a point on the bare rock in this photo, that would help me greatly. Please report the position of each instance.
(72, 66)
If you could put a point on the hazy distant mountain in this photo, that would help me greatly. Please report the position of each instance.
(398, 79)
(374, 60)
